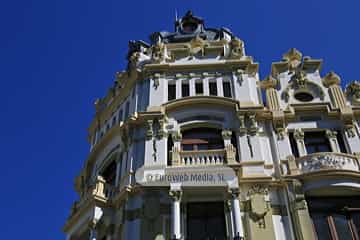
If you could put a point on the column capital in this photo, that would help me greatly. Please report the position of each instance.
(176, 136)
(226, 134)
(331, 134)
(299, 134)
(175, 194)
(234, 193)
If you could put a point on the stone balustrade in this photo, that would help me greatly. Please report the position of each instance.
(203, 157)
(327, 160)
(320, 161)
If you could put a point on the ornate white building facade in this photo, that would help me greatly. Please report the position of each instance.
(285, 149)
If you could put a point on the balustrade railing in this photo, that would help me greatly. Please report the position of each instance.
(320, 161)
(203, 157)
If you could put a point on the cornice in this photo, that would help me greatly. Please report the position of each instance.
(226, 64)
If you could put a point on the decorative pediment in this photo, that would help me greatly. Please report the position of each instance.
(293, 61)
(302, 89)
(293, 58)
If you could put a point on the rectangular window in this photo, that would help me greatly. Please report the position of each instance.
(335, 218)
(316, 142)
(121, 117)
(340, 139)
(133, 92)
(171, 92)
(213, 88)
(185, 91)
(199, 88)
(227, 89)
(293, 145)
(127, 109)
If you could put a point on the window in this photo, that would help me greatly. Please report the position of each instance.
(202, 139)
(109, 173)
(113, 121)
(107, 126)
(133, 92)
(335, 218)
(293, 145)
(213, 88)
(340, 139)
(303, 96)
(127, 109)
(171, 92)
(199, 88)
(120, 116)
(316, 142)
(227, 89)
(185, 92)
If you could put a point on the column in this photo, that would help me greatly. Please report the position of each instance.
(93, 234)
(235, 209)
(299, 137)
(175, 214)
(331, 135)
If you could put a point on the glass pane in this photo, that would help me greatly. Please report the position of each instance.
(321, 226)
(185, 89)
(310, 149)
(199, 88)
(171, 92)
(342, 227)
(227, 89)
(213, 88)
(356, 221)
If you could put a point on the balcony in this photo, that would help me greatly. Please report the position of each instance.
(98, 191)
(321, 161)
(204, 157)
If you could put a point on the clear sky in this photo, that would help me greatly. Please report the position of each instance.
(58, 56)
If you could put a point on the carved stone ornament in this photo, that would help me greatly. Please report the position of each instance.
(331, 134)
(293, 57)
(259, 207)
(350, 130)
(156, 79)
(331, 79)
(226, 134)
(353, 90)
(253, 125)
(149, 132)
(269, 82)
(257, 189)
(158, 52)
(175, 195)
(176, 136)
(236, 46)
(299, 134)
(324, 161)
(197, 45)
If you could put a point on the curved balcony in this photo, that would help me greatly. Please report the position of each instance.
(327, 161)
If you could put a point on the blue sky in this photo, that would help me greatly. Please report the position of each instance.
(58, 56)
